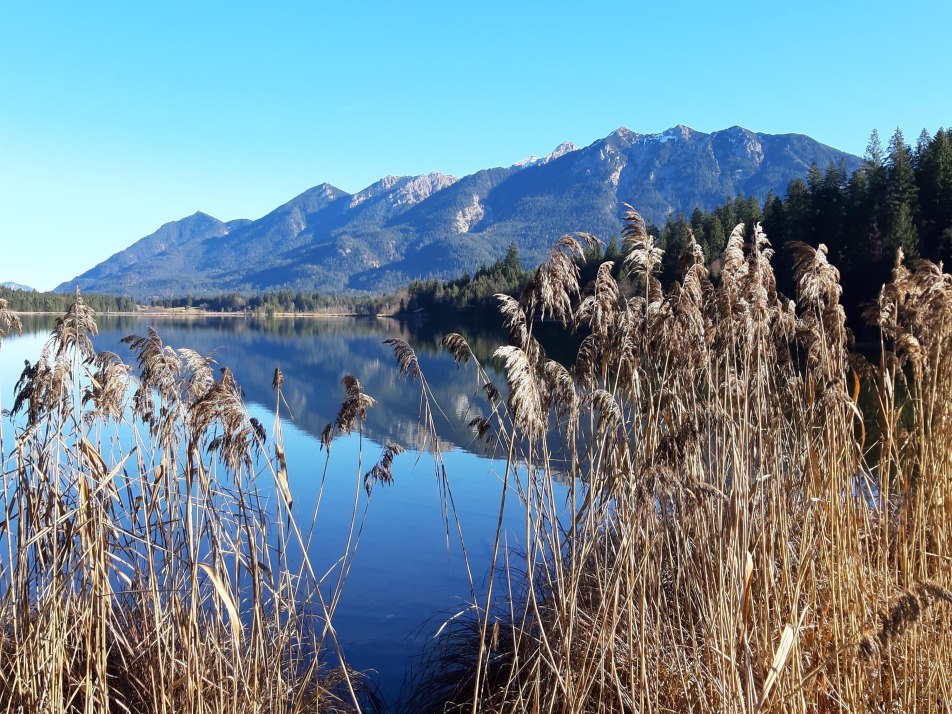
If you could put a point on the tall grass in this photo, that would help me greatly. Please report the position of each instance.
(150, 561)
(757, 518)
(742, 535)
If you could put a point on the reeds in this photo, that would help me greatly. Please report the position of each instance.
(151, 562)
(761, 518)
(756, 519)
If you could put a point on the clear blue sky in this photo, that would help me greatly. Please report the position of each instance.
(116, 117)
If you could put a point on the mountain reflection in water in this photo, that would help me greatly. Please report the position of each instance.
(408, 575)
(314, 354)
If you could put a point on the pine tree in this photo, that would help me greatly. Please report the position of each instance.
(814, 179)
(829, 209)
(674, 237)
(903, 232)
(901, 197)
(862, 240)
(874, 150)
(697, 224)
(716, 238)
(922, 144)
(728, 217)
(511, 264)
(934, 179)
(752, 212)
(775, 226)
(799, 212)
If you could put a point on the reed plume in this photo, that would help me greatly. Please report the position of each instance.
(748, 493)
(9, 322)
(141, 572)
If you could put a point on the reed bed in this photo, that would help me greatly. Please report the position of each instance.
(151, 562)
(759, 517)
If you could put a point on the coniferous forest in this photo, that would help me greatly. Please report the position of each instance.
(901, 199)
(758, 517)
(33, 301)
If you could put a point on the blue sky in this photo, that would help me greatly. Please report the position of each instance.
(116, 117)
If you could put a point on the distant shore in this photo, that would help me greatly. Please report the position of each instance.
(197, 312)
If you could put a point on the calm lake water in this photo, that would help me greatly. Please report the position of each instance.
(406, 579)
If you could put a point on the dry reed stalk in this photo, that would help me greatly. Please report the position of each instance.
(142, 573)
(724, 489)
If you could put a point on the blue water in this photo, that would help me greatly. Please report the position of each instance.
(408, 575)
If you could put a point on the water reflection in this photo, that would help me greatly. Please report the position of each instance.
(408, 575)
(314, 354)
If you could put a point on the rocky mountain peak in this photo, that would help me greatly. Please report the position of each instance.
(422, 187)
(740, 140)
(625, 134)
(561, 150)
(17, 286)
(404, 190)
(681, 132)
(434, 225)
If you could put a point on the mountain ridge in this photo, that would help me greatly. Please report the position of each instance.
(402, 228)
(10, 285)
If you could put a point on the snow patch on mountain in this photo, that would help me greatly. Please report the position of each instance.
(755, 149)
(675, 133)
(620, 162)
(296, 222)
(17, 286)
(614, 158)
(562, 149)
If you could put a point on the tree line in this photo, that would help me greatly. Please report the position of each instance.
(468, 294)
(33, 301)
(899, 200)
(286, 301)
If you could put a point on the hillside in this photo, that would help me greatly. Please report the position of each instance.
(402, 228)
(17, 286)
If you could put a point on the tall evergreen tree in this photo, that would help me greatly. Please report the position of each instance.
(922, 144)
(775, 226)
(934, 178)
(674, 236)
(875, 156)
(829, 211)
(511, 265)
(716, 237)
(728, 218)
(754, 214)
(901, 196)
(862, 239)
(799, 212)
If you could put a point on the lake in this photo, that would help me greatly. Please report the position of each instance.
(408, 576)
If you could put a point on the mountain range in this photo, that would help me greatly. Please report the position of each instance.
(17, 286)
(406, 227)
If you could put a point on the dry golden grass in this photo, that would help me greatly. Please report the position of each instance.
(757, 518)
(142, 570)
(736, 541)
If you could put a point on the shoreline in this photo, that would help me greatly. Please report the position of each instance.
(205, 313)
